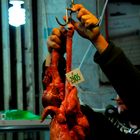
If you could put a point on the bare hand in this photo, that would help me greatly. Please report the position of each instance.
(57, 40)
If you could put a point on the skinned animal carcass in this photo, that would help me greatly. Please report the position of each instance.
(60, 99)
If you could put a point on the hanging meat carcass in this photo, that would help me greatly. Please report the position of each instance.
(62, 102)
(54, 92)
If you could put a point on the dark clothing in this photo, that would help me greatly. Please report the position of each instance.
(104, 126)
(100, 126)
(124, 77)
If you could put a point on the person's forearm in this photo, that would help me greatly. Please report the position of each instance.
(100, 43)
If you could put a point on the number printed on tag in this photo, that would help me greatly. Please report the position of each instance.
(75, 76)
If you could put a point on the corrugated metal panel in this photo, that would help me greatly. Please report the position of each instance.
(19, 67)
(29, 58)
(6, 53)
(19, 58)
(42, 35)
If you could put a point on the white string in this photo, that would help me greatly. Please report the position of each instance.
(103, 11)
(85, 55)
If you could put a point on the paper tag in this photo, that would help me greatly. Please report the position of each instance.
(75, 76)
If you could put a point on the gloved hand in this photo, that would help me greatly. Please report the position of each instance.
(87, 26)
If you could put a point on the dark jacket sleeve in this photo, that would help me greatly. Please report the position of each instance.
(101, 128)
(124, 77)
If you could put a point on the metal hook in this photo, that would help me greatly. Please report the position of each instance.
(68, 18)
(61, 23)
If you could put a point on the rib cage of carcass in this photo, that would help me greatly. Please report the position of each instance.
(60, 99)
